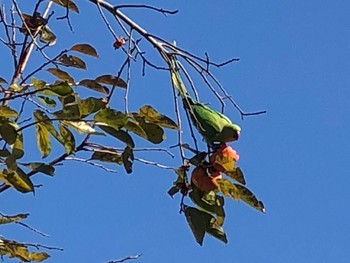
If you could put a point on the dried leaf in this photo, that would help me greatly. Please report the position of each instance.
(47, 36)
(42, 167)
(128, 159)
(112, 80)
(4, 219)
(85, 49)
(94, 85)
(47, 101)
(63, 75)
(72, 61)
(67, 3)
(107, 156)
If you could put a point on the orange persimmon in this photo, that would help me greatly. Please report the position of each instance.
(204, 179)
(224, 158)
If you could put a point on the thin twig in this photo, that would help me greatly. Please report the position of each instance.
(125, 259)
(161, 10)
(90, 163)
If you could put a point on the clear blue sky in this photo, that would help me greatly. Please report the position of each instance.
(295, 63)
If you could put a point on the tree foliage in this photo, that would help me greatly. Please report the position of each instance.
(69, 115)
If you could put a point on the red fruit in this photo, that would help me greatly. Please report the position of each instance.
(205, 180)
(119, 42)
(224, 158)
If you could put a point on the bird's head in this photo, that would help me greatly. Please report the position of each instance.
(231, 132)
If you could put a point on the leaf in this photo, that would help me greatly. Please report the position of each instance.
(152, 115)
(208, 201)
(81, 126)
(17, 148)
(72, 61)
(13, 249)
(110, 117)
(63, 75)
(6, 111)
(18, 179)
(69, 112)
(8, 131)
(128, 159)
(42, 168)
(91, 105)
(68, 139)
(94, 85)
(218, 232)
(47, 36)
(41, 116)
(4, 219)
(47, 101)
(85, 49)
(16, 87)
(67, 3)
(61, 88)
(155, 134)
(119, 134)
(237, 174)
(107, 156)
(38, 83)
(135, 127)
(43, 139)
(198, 158)
(238, 191)
(4, 153)
(112, 80)
(198, 221)
(173, 190)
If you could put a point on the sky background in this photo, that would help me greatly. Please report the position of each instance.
(295, 63)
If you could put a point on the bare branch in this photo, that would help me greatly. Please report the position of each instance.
(125, 259)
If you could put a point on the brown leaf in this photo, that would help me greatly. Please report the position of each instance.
(72, 61)
(112, 80)
(94, 85)
(67, 3)
(63, 75)
(85, 49)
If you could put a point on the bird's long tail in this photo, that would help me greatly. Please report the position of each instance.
(176, 78)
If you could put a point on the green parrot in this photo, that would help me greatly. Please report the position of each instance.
(214, 126)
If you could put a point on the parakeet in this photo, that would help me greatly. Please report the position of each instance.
(214, 126)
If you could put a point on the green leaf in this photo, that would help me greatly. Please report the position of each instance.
(238, 191)
(38, 83)
(17, 148)
(154, 133)
(218, 232)
(4, 153)
(94, 85)
(16, 87)
(110, 117)
(107, 156)
(42, 168)
(68, 139)
(208, 201)
(72, 61)
(85, 49)
(67, 3)
(18, 179)
(236, 174)
(119, 134)
(91, 105)
(47, 36)
(47, 101)
(61, 88)
(112, 80)
(135, 127)
(6, 111)
(43, 139)
(69, 112)
(81, 126)
(4, 219)
(128, 159)
(152, 115)
(63, 75)
(8, 131)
